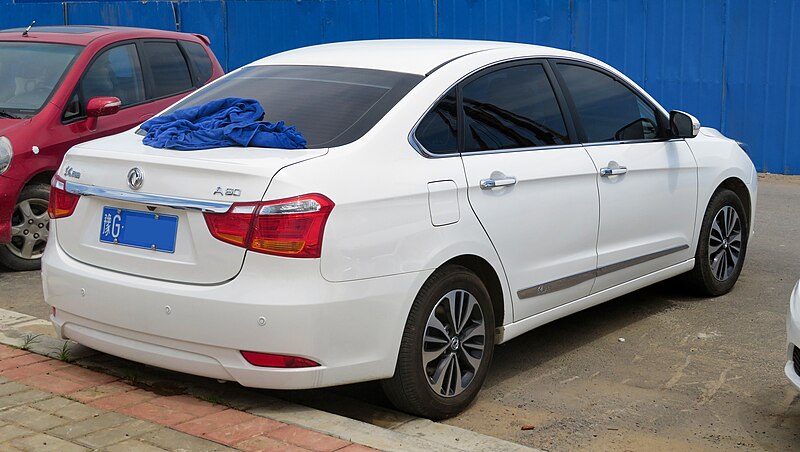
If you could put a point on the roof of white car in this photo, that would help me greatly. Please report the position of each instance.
(415, 56)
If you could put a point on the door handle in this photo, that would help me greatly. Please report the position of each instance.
(487, 184)
(613, 171)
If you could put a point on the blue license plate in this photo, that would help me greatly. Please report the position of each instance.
(139, 229)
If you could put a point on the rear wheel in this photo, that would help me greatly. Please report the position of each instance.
(29, 230)
(722, 245)
(447, 346)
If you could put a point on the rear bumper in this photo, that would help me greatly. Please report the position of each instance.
(352, 329)
(793, 338)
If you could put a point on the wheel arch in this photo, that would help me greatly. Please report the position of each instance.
(737, 186)
(487, 274)
(42, 177)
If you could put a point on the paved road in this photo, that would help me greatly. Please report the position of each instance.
(690, 373)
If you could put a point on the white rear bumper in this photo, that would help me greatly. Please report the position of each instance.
(353, 329)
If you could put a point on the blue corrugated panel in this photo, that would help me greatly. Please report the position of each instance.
(732, 63)
(407, 18)
(260, 28)
(612, 32)
(158, 15)
(540, 22)
(206, 17)
(761, 84)
(687, 69)
(21, 15)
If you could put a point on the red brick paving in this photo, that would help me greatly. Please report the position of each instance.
(263, 443)
(8, 352)
(310, 440)
(188, 404)
(54, 384)
(98, 392)
(117, 402)
(238, 433)
(40, 367)
(213, 422)
(184, 413)
(20, 360)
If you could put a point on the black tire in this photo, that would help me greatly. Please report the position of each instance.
(707, 278)
(32, 227)
(411, 389)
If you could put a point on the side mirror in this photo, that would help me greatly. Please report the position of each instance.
(102, 106)
(683, 125)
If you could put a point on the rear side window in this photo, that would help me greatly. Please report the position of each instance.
(513, 107)
(330, 106)
(438, 130)
(607, 109)
(168, 67)
(202, 63)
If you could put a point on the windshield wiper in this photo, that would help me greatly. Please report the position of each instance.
(7, 115)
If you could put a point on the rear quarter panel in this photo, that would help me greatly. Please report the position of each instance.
(381, 224)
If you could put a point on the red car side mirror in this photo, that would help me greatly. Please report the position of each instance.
(102, 106)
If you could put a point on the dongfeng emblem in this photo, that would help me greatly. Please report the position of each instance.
(135, 178)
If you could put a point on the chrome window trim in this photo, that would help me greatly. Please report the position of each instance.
(578, 278)
(149, 199)
(412, 139)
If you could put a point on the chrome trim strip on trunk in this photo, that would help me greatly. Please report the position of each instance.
(574, 280)
(149, 199)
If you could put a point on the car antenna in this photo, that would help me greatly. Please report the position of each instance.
(25, 33)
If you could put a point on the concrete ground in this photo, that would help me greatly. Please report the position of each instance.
(655, 370)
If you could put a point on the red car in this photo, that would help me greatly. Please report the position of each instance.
(56, 86)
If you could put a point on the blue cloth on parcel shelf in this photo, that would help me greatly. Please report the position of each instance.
(220, 123)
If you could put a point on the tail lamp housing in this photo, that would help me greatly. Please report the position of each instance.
(291, 227)
(62, 203)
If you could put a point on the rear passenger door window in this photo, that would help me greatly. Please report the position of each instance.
(607, 109)
(509, 108)
(168, 69)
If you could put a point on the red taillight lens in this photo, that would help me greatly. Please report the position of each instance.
(232, 226)
(284, 227)
(61, 203)
(284, 361)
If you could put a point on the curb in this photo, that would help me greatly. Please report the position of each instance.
(411, 434)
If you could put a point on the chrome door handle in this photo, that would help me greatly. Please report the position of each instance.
(487, 184)
(613, 171)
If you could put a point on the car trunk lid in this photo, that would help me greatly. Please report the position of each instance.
(176, 187)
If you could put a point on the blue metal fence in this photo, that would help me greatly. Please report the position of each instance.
(732, 63)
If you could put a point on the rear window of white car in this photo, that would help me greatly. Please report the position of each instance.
(330, 106)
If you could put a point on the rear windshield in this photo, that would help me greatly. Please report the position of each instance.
(29, 73)
(330, 106)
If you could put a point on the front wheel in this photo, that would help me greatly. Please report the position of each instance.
(722, 245)
(447, 346)
(29, 230)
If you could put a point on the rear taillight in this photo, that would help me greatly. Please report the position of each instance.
(61, 203)
(285, 227)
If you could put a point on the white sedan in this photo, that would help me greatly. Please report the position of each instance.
(452, 196)
(792, 366)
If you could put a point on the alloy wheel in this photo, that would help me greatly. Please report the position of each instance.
(453, 343)
(725, 243)
(29, 229)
